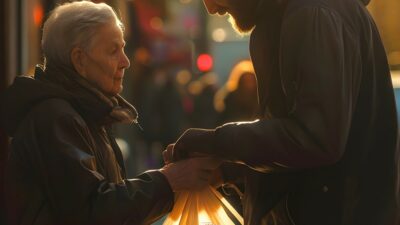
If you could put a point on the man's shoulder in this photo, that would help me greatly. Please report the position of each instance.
(334, 5)
(295, 5)
(307, 3)
(316, 9)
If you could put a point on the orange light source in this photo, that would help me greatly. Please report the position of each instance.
(204, 62)
(38, 14)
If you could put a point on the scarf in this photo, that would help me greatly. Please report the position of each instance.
(90, 101)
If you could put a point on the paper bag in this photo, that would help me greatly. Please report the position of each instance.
(206, 207)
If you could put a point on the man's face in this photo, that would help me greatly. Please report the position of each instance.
(106, 61)
(242, 12)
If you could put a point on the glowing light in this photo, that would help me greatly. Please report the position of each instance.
(142, 55)
(245, 66)
(395, 78)
(204, 218)
(204, 207)
(195, 88)
(204, 62)
(219, 35)
(156, 23)
(209, 78)
(183, 77)
(38, 14)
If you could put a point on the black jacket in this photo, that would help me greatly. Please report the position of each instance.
(326, 143)
(65, 167)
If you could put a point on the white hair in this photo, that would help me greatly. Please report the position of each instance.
(74, 25)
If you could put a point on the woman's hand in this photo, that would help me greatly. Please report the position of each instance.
(216, 179)
(192, 174)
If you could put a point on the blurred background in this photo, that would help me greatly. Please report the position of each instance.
(188, 69)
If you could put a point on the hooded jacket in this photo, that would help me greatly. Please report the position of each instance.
(324, 151)
(64, 166)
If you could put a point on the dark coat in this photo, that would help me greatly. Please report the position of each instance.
(65, 167)
(328, 134)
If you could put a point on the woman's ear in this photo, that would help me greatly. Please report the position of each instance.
(78, 61)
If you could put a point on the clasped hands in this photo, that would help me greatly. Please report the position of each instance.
(190, 164)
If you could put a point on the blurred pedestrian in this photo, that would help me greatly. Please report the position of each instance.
(237, 100)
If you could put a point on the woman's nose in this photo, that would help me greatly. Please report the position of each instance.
(124, 62)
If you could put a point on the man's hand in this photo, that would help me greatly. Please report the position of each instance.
(192, 142)
(191, 174)
(167, 154)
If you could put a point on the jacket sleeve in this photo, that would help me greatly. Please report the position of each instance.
(317, 87)
(76, 193)
(233, 173)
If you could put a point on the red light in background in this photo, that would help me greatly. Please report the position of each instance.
(38, 14)
(204, 62)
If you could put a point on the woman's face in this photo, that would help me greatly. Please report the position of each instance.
(105, 62)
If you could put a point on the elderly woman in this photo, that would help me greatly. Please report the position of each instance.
(64, 166)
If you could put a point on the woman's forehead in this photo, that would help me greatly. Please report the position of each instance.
(110, 33)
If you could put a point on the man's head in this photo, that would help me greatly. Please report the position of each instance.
(242, 12)
(87, 37)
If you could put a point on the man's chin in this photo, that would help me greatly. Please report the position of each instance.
(241, 28)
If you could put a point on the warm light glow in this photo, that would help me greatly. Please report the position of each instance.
(204, 219)
(156, 23)
(219, 104)
(142, 55)
(245, 66)
(183, 77)
(219, 35)
(38, 14)
(205, 207)
(204, 62)
(395, 78)
(394, 58)
(209, 79)
(195, 88)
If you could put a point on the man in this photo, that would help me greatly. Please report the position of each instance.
(324, 151)
(65, 166)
